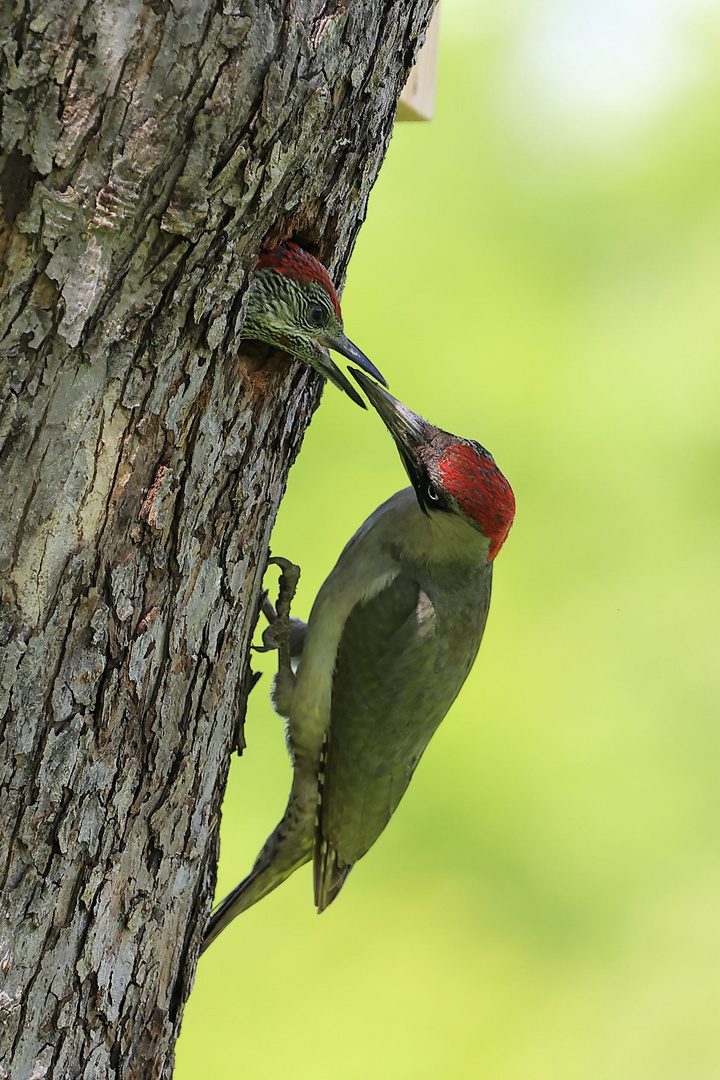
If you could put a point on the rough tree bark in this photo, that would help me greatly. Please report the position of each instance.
(148, 150)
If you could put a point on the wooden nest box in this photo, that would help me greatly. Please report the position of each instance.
(417, 101)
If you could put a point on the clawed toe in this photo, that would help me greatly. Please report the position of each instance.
(276, 635)
(289, 577)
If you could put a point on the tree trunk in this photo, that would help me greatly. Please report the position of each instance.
(148, 151)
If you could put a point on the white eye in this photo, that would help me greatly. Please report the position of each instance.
(432, 493)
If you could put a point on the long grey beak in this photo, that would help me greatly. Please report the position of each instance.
(402, 423)
(410, 432)
(351, 352)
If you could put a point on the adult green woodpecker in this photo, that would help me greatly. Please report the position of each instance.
(391, 639)
(293, 305)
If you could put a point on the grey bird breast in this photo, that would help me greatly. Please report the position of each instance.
(403, 657)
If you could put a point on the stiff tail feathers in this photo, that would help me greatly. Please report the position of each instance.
(256, 885)
(288, 848)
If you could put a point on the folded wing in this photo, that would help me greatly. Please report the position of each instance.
(400, 665)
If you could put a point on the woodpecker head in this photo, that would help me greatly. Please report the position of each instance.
(450, 475)
(293, 306)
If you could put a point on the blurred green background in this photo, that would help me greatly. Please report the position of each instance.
(539, 270)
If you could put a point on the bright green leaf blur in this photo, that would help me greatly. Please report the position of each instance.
(539, 270)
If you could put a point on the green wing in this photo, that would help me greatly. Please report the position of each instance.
(402, 659)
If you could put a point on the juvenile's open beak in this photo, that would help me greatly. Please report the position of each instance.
(332, 372)
(351, 352)
(410, 432)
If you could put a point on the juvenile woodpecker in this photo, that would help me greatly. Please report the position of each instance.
(391, 639)
(293, 306)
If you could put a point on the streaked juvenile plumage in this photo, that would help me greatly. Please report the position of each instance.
(293, 306)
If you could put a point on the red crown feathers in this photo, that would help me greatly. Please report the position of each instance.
(481, 490)
(293, 261)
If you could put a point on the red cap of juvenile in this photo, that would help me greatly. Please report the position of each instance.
(293, 261)
(481, 490)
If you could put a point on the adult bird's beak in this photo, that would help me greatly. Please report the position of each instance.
(351, 352)
(411, 433)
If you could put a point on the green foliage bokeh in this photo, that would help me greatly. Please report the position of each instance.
(540, 274)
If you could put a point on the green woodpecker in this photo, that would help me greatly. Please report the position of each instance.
(391, 639)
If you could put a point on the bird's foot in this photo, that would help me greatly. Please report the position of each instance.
(270, 633)
(277, 633)
(289, 577)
